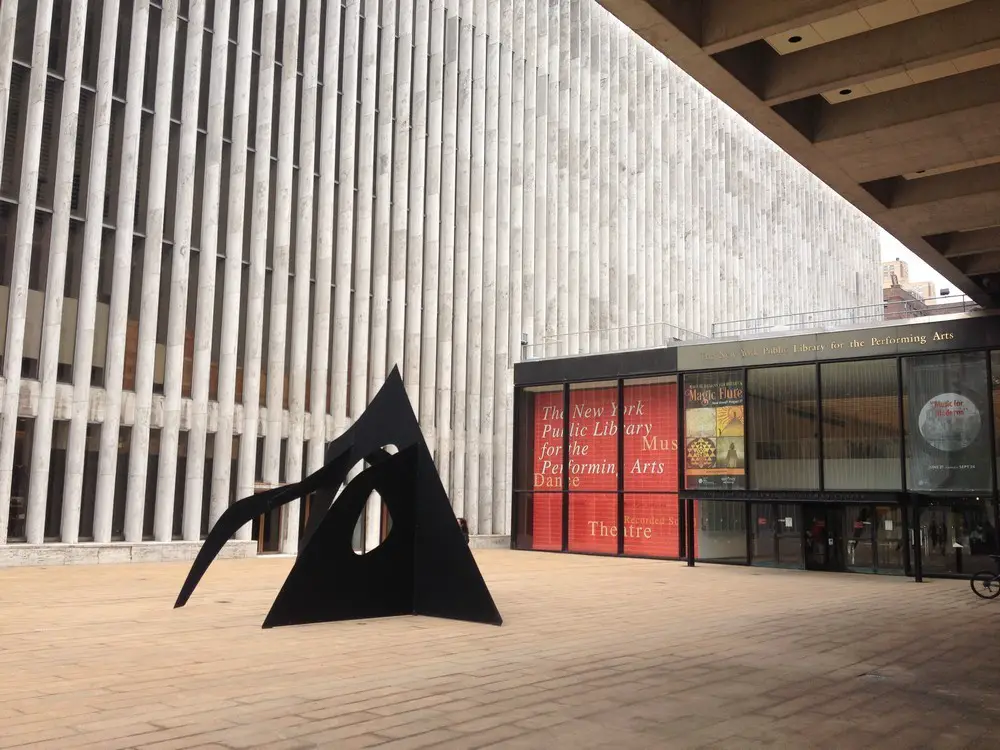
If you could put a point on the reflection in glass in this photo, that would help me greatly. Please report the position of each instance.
(539, 461)
(995, 376)
(649, 414)
(652, 525)
(860, 552)
(861, 430)
(958, 537)
(593, 468)
(20, 477)
(783, 428)
(721, 532)
(947, 432)
(889, 539)
(824, 537)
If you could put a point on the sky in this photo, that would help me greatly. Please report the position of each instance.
(919, 271)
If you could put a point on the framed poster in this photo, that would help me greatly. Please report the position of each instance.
(714, 431)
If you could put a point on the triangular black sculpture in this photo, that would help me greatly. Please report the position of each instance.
(423, 567)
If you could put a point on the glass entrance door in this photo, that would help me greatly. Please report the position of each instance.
(958, 537)
(824, 537)
(777, 535)
(860, 549)
(890, 548)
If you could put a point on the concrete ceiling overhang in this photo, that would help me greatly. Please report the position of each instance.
(893, 103)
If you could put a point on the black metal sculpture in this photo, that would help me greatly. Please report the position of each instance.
(423, 567)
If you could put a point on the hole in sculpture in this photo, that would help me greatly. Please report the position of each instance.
(374, 522)
(373, 525)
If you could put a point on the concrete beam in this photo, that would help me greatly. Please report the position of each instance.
(925, 40)
(959, 244)
(732, 23)
(927, 126)
(980, 265)
(954, 202)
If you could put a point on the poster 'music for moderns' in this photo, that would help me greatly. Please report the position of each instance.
(714, 431)
(948, 436)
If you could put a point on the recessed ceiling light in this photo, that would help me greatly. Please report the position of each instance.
(846, 92)
(795, 39)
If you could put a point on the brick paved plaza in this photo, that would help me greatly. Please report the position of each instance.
(594, 653)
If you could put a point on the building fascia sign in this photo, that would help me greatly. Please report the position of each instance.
(887, 341)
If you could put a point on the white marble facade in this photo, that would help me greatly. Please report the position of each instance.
(189, 319)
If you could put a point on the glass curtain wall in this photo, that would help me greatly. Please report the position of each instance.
(593, 467)
(948, 443)
(538, 482)
(995, 378)
(861, 428)
(651, 525)
(783, 425)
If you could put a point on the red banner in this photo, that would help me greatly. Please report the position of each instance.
(652, 522)
(650, 465)
(548, 468)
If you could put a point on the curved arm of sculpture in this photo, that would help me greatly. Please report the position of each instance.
(244, 511)
(389, 419)
(317, 512)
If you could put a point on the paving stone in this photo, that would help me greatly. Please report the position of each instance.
(594, 653)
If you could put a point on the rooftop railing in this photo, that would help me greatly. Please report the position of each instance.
(842, 317)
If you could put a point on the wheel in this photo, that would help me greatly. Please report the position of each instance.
(986, 584)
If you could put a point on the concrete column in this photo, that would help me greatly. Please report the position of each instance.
(461, 309)
(593, 68)
(494, 290)
(579, 127)
(446, 268)
(327, 225)
(303, 268)
(232, 283)
(135, 497)
(398, 281)
(86, 310)
(618, 231)
(254, 334)
(280, 263)
(23, 234)
(430, 222)
(542, 266)
(56, 279)
(637, 145)
(525, 204)
(346, 246)
(173, 374)
(8, 21)
(583, 105)
(201, 366)
(568, 278)
(361, 305)
(418, 150)
(608, 339)
(495, 402)
(653, 203)
(554, 261)
(481, 234)
(107, 466)
(384, 178)
(517, 187)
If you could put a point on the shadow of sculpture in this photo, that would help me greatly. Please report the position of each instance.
(424, 565)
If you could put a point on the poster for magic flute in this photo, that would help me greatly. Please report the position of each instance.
(948, 438)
